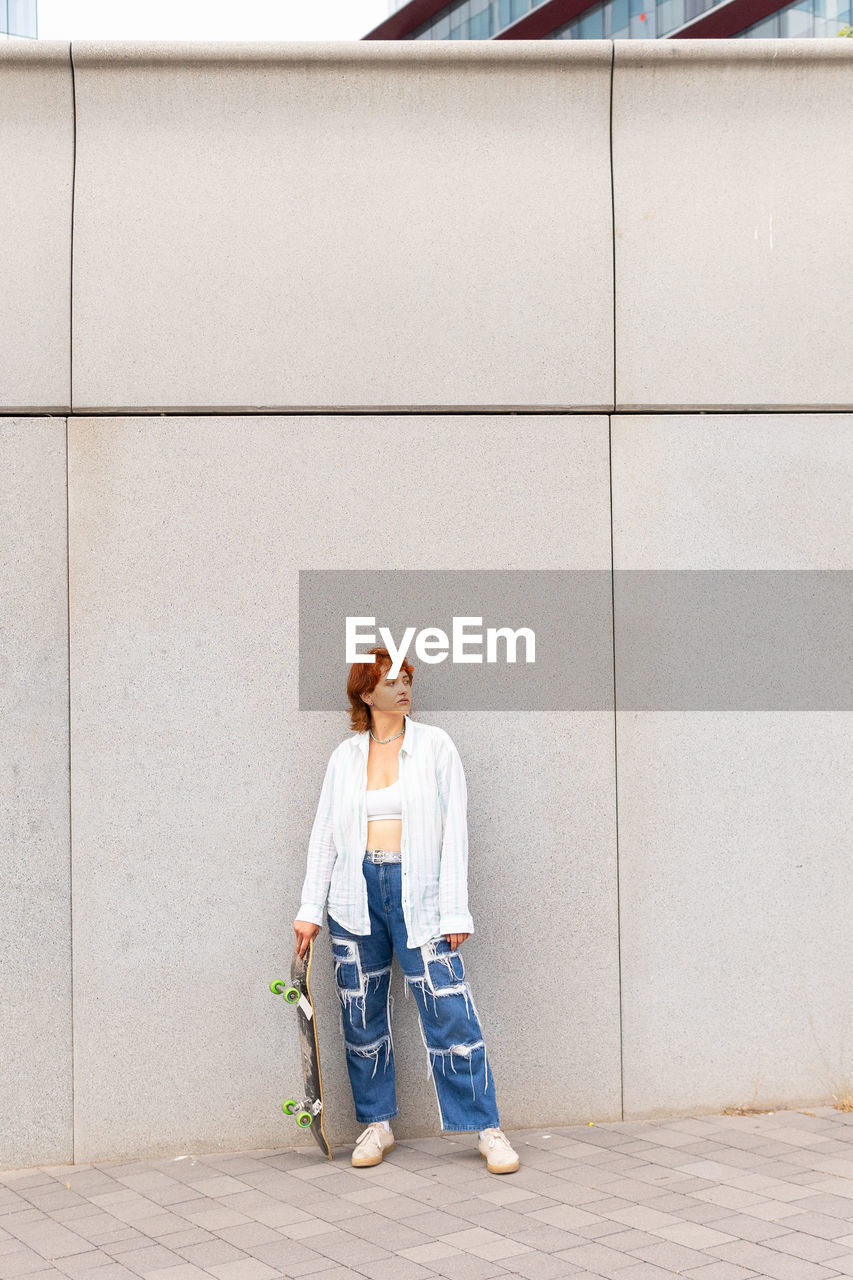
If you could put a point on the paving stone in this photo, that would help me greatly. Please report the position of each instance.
(428, 1253)
(435, 1223)
(76, 1213)
(191, 1235)
(671, 1256)
(816, 1224)
(160, 1224)
(630, 1239)
(485, 1244)
(479, 1213)
(303, 1230)
(128, 1243)
(596, 1257)
(185, 1272)
(833, 1206)
(48, 1238)
(385, 1232)
(215, 1217)
(772, 1210)
(566, 1216)
(395, 1268)
(644, 1217)
(337, 1245)
(246, 1269)
(598, 1230)
(50, 1198)
(728, 1197)
(547, 1239)
(844, 1265)
(771, 1263)
(332, 1209)
(338, 1273)
(541, 1266)
(206, 1253)
(20, 1263)
(152, 1257)
(223, 1185)
(719, 1271)
(644, 1271)
(334, 1274)
(12, 1203)
(749, 1228)
(633, 1189)
(50, 1274)
(25, 1178)
(576, 1195)
(519, 1197)
(689, 1208)
(400, 1208)
(693, 1234)
(112, 1241)
(813, 1248)
(142, 1181)
(79, 1264)
(715, 1197)
(506, 1222)
(468, 1267)
(248, 1234)
(115, 1271)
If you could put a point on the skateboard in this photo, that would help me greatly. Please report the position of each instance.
(308, 1112)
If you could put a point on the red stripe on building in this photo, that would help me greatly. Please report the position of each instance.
(723, 20)
(405, 20)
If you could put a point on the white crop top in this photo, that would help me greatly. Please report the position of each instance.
(385, 802)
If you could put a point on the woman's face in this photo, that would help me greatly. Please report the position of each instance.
(392, 696)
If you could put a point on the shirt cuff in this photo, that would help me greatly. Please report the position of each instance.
(311, 912)
(456, 924)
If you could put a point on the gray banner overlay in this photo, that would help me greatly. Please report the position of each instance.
(685, 640)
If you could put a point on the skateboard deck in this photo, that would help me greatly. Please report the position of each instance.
(309, 1111)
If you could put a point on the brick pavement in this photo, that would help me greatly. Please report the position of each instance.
(708, 1197)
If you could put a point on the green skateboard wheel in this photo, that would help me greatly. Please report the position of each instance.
(291, 994)
(304, 1119)
(289, 1106)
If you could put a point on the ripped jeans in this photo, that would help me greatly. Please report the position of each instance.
(449, 1024)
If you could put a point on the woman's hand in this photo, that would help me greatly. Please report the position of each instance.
(456, 939)
(305, 930)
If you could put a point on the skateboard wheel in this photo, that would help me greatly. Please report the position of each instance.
(304, 1119)
(280, 988)
(290, 1106)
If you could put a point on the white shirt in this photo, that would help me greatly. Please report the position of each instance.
(434, 840)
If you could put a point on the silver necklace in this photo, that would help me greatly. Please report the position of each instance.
(382, 741)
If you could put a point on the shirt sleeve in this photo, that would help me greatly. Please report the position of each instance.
(453, 873)
(322, 854)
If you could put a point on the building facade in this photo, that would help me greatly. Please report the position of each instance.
(611, 19)
(18, 18)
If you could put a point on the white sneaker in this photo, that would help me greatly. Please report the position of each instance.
(372, 1144)
(495, 1149)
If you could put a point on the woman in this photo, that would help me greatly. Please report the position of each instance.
(389, 846)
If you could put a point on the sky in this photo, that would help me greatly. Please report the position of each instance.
(208, 19)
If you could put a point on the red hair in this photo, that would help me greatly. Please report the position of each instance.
(363, 678)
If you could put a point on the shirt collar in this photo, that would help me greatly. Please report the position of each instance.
(363, 739)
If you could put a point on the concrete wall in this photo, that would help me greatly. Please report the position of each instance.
(231, 274)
